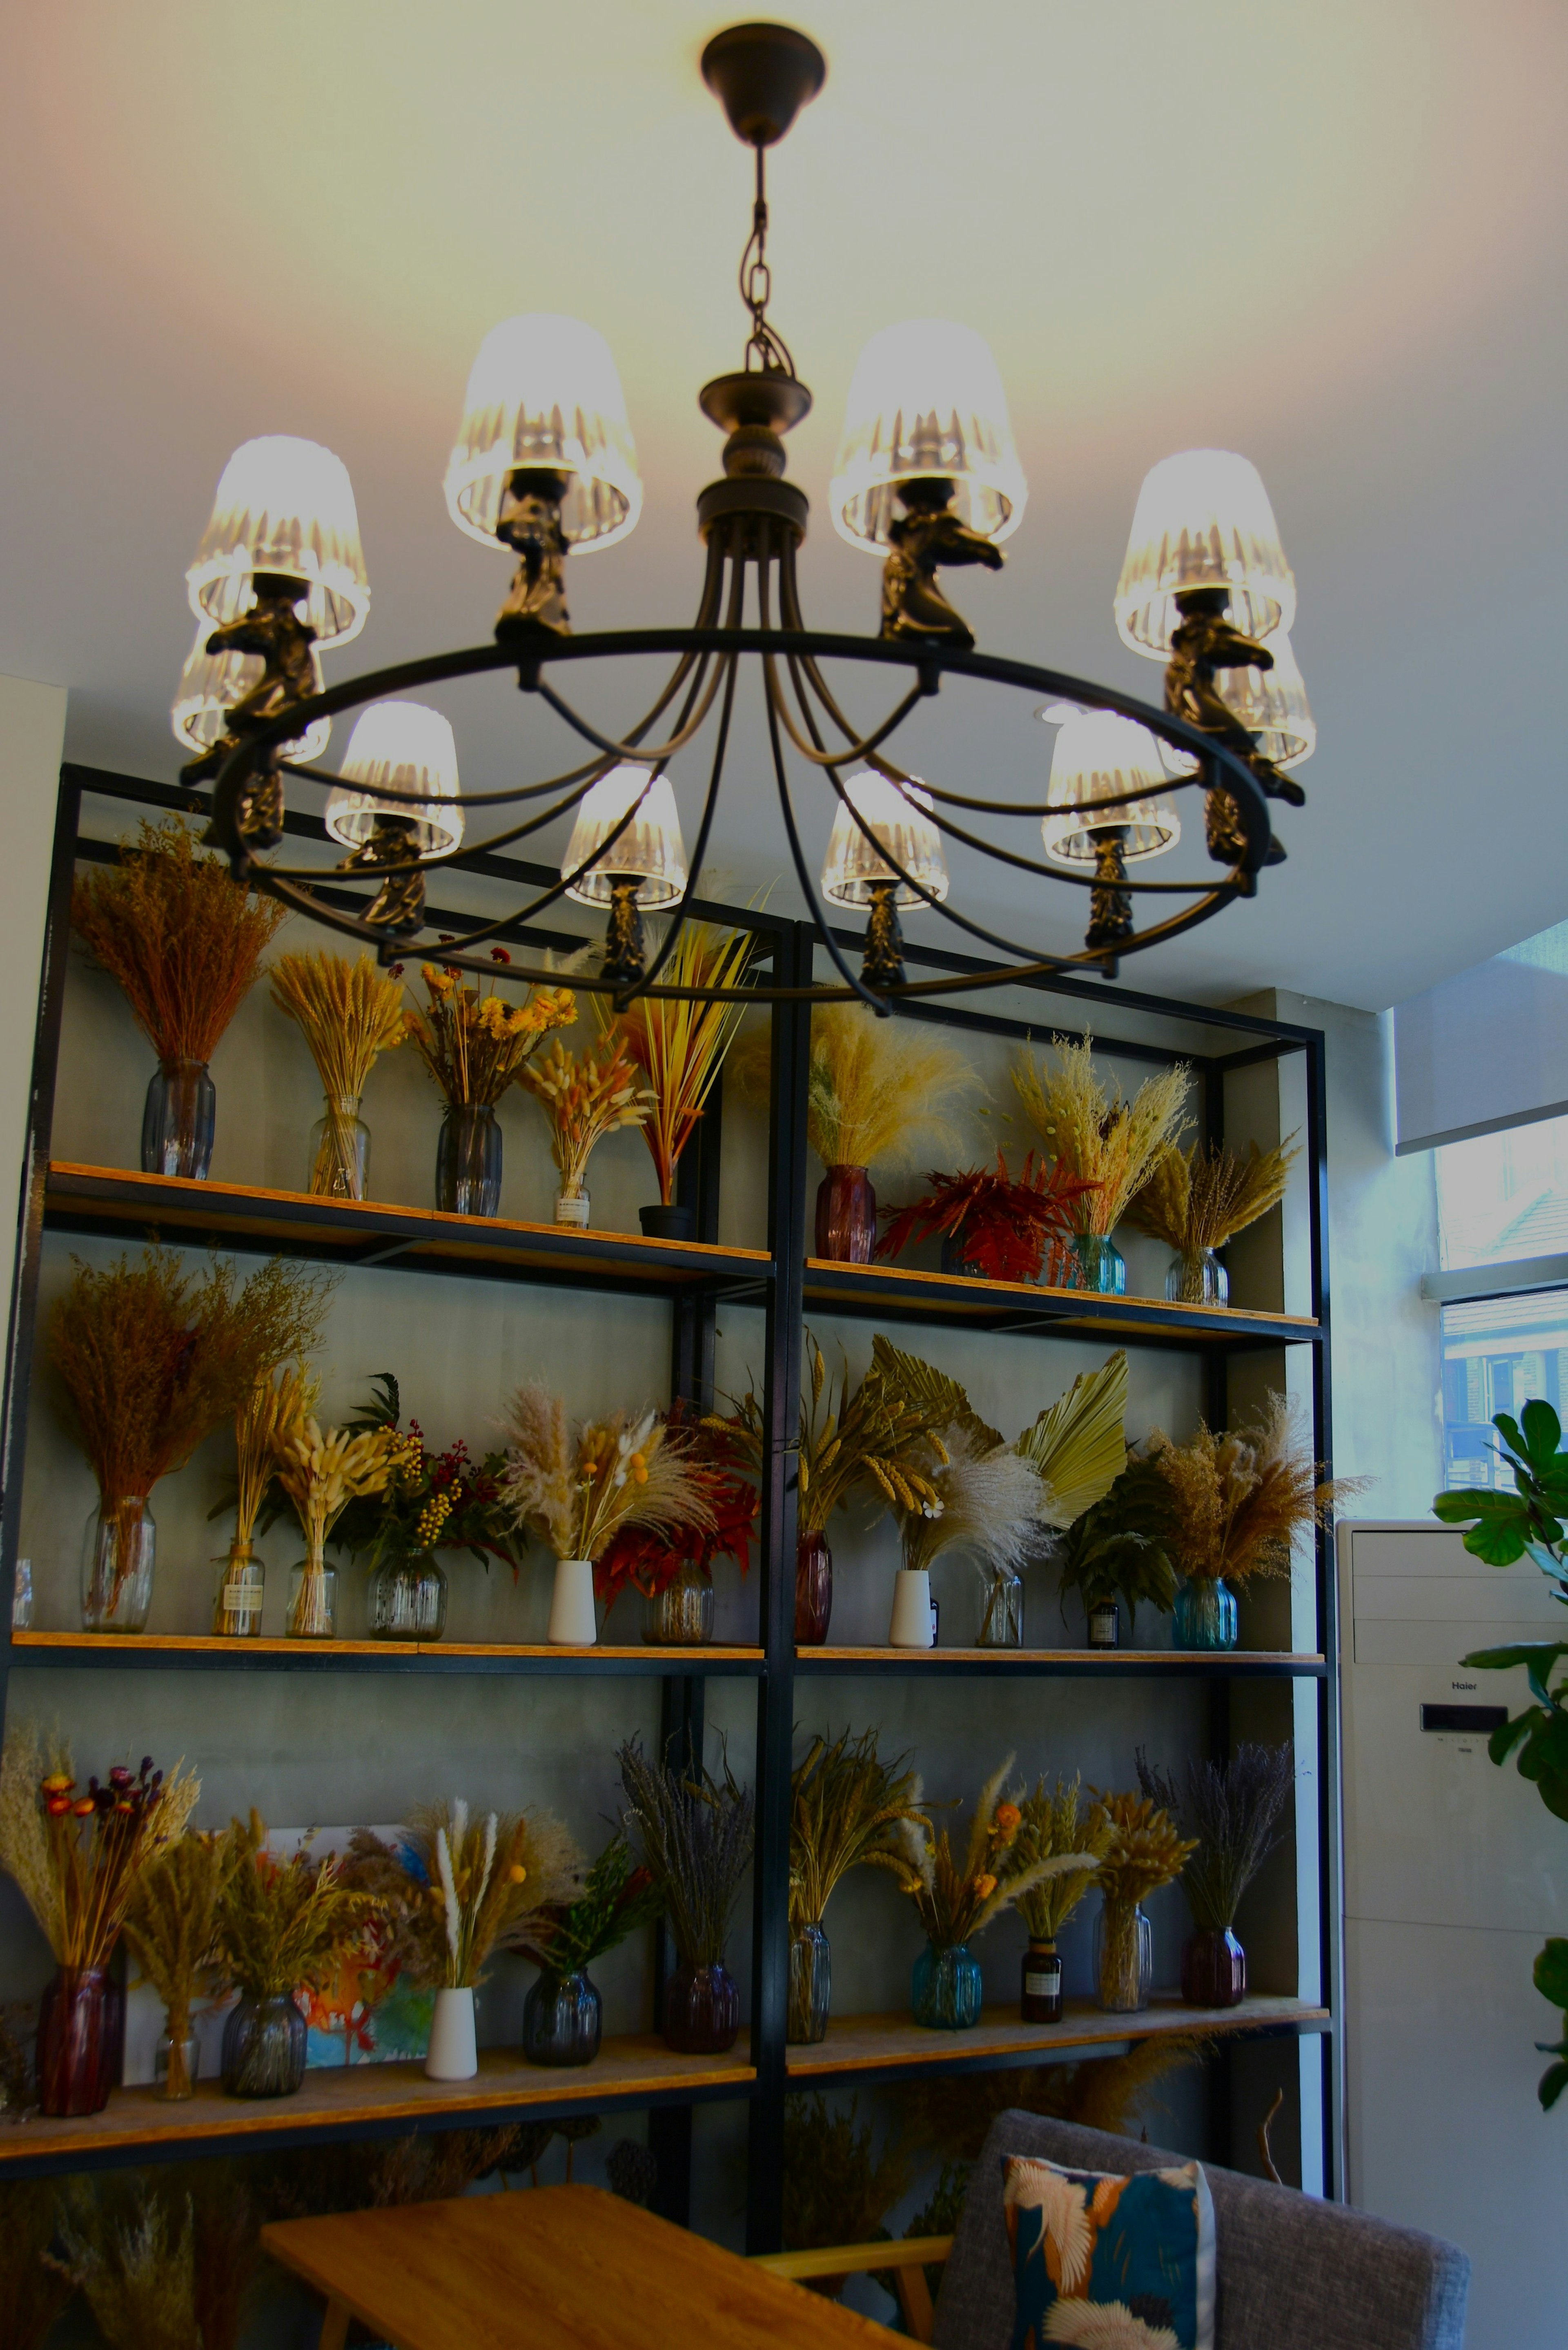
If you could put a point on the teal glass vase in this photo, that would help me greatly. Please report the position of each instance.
(945, 1989)
(1205, 1616)
(1101, 1265)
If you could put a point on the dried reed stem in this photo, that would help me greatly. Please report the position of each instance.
(1099, 1136)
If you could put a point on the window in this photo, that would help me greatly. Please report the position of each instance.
(1497, 1352)
(1503, 1196)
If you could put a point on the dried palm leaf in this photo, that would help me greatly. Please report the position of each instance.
(1078, 1448)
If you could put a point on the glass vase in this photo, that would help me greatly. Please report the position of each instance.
(80, 2032)
(312, 1599)
(810, 1987)
(178, 1120)
(1124, 1957)
(563, 2018)
(1040, 1989)
(701, 2009)
(945, 1989)
(1001, 1609)
(468, 1160)
(339, 1151)
(240, 1587)
(176, 2065)
(1104, 1622)
(117, 1566)
(1205, 1615)
(1197, 1277)
(681, 1614)
(813, 1590)
(1100, 1265)
(847, 1216)
(1213, 1968)
(573, 1205)
(408, 1600)
(264, 2048)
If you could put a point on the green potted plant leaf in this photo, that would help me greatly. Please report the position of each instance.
(1121, 1549)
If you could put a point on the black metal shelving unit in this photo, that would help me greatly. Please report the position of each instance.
(694, 1279)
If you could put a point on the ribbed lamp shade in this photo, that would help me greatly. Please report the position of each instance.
(210, 685)
(926, 401)
(544, 392)
(1271, 704)
(650, 850)
(895, 814)
(1100, 755)
(401, 746)
(285, 507)
(1202, 520)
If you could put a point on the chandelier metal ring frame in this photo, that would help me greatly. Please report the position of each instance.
(561, 475)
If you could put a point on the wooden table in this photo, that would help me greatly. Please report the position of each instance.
(549, 2268)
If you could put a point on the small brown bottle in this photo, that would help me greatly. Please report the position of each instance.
(1042, 1990)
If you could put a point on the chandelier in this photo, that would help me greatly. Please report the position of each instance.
(928, 479)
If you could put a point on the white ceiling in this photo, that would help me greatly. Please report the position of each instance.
(1331, 238)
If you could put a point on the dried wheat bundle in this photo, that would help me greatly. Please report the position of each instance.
(871, 1439)
(1144, 1848)
(267, 1425)
(322, 1471)
(172, 1927)
(347, 1012)
(1100, 1137)
(1200, 1199)
(1241, 1501)
(1057, 1821)
(183, 940)
(880, 1092)
(281, 1925)
(679, 1047)
(138, 2273)
(846, 1804)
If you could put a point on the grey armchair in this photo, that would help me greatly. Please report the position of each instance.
(1293, 2273)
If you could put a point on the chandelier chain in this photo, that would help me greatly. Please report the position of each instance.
(764, 343)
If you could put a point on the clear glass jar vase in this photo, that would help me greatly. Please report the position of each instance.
(176, 2065)
(408, 1600)
(81, 2023)
(810, 1987)
(813, 1590)
(681, 1614)
(1197, 1277)
(1001, 1609)
(178, 1120)
(241, 1588)
(847, 1216)
(312, 1599)
(701, 2009)
(117, 1552)
(1040, 1986)
(1099, 1265)
(945, 1989)
(1205, 1615)
(563, 2020)
(1124, 1957)
(264, 2048)
(339, 1151)
(573, 1205)
(1213, 1968)
(468, 1160)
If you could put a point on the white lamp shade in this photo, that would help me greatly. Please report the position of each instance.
(896, 815)
(1202, 520)
(1100, 755)
(285, 507)
(211, 684)
(401, 746)
(544, 392)
(650, 850)
(1271, 704)
(926, 401)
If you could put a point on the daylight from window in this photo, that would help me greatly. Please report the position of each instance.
(1500, 1197)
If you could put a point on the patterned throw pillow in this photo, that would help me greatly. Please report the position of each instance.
(1110, 2263)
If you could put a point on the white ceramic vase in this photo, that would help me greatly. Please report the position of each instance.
(911, 1625)
(454, 2050)
(572, 1624)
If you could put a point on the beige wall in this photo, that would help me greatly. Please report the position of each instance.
(32, 731)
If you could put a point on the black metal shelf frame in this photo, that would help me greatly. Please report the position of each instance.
(780, 1288)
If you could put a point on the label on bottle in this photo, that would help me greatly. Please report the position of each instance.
(1045, 1985)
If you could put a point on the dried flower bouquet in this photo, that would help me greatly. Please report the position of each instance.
(1053, 1821)
(1004, 1227)
(573, 1486)
(283, 1926)
(879, 1091)
(619, 1896)
(321, 1471)
(1242, 1499)
(1232, 1807)
(847, 1810)
(171, 1928)
(77, 1853)
(1200, 1199)
(956, 1900)
(430, 1501)
(871, 1439)
(651, 1558)
(695, 1836)
(1144, 1851)
(584, 1097)
(1105, 1140)
(473, 1045)
(678, 1048)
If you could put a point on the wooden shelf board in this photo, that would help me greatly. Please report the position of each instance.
(384, 1232)
(203, 1650)
(1017, 1306)
(867, 2044)
(1280, 1662)
(344, 2099)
